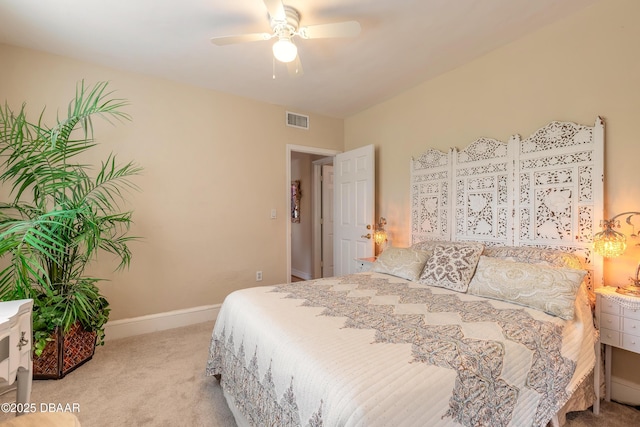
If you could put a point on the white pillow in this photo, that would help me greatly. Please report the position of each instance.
(401, 262)
(550, 289)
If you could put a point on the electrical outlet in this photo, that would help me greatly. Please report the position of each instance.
(258, 276)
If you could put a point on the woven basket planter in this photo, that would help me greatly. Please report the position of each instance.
(64, 353)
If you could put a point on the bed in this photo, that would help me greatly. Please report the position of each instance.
(485, 320)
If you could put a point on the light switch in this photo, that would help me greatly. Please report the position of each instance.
(273, 214)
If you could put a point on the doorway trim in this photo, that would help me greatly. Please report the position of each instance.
(300, 149)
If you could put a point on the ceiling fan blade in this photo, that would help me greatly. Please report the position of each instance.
(241, 38)
(338, 29)
(295, 67)
(276, 9)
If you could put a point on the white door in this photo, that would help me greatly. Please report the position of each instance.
(327, 221)
(354, 204)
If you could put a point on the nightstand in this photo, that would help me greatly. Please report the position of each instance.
(618, 319)
(364, 264)
(16, 347)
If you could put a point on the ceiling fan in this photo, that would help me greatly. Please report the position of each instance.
(285, 25)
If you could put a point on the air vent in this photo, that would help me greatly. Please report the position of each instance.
(299, 121)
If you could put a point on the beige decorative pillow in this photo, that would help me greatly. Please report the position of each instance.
(428, 245)
(451, 266)
(550, 289)
(532, 255)
(401, 262)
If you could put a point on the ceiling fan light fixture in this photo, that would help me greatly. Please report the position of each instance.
(284, 50)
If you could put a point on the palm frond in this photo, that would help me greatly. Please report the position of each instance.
(87, 103)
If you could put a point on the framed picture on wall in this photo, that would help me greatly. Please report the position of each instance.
(295, 200)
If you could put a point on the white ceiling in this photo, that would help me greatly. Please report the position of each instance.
(402, 42)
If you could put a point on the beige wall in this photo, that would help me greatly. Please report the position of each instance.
(574, 70)
(214, 169)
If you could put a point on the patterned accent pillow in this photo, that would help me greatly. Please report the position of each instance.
(401, 262)
(550, 289)
(451, 266)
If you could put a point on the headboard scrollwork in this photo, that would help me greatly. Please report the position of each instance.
(544, 191)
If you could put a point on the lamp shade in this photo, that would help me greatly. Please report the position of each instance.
(609, 243)
(380, 236)
(284, 50)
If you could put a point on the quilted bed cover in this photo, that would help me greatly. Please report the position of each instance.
(371, 349)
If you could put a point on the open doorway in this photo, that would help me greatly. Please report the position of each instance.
(354, 205)
(309, 236)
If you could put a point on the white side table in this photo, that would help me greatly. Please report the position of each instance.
(618, 319)
(364, 264)
(15, 346)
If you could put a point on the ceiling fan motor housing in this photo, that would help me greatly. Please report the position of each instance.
(288, 26)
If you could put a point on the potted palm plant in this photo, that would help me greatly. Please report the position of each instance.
(60, 214)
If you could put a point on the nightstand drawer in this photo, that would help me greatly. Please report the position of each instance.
(607, 336)
(610, 321)
(618, 317)
(631, 326)
(24, 339)
(631, 343)
(20, 349)
(608, 306)
(630, 313)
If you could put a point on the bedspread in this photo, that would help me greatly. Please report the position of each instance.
(374, 350)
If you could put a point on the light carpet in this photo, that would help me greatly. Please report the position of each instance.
(158, 379)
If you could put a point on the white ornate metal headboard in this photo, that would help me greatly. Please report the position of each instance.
(544, 191)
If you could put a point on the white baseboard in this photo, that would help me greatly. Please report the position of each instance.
(625, 391)
(301, 274)
(160, 321)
